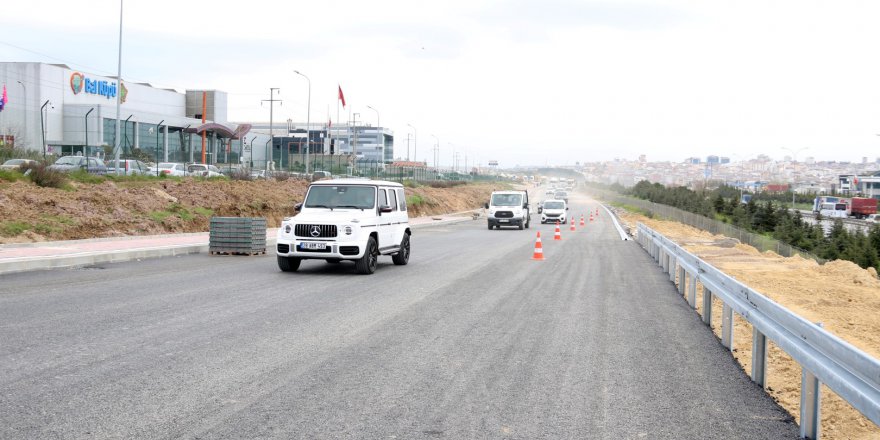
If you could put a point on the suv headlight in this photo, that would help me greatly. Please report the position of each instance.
(347, 230)
(287, 228)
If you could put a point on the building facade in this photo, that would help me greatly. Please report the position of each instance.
(62, 111)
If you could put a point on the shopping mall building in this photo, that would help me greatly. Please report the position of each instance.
(54, 109)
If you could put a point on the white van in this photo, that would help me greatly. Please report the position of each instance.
(508, 208)
(347, 219)
(554, 211)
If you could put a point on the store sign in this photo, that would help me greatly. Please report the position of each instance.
(80, 83)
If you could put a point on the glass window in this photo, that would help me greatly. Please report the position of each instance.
(401, 196)
(383, 199)
(341, 196)
(506, 199)
(392, 197)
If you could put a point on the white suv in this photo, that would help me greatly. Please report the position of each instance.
(347, 219)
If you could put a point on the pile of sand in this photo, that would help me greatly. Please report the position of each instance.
(842, 296)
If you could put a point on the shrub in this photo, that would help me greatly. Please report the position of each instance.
(45, 177)
(10, 176)
(281, 176)
(11, 229)
(84, 176)
(241, 174)
(415, 200)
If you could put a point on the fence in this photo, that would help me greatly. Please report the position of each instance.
(760, 242)
(824, 358)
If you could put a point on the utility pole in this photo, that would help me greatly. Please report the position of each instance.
(117, 136)
(271, 102)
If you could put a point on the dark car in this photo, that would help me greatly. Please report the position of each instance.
(72, 163)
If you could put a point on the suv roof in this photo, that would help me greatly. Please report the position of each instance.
(357, 182)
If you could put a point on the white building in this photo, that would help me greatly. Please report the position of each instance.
(61, 111)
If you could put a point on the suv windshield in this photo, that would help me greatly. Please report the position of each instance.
(553, 205)
(348, 196)
(506, 199)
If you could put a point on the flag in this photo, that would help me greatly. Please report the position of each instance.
(341, 97)
(3, 99)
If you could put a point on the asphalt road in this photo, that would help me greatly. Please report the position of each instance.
(471, 340)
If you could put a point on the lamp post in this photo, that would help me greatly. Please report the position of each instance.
(794, 154)
(308, 118)
(436, 150)
(157, 146)
(271, 100)
(380, 138)
(415, 144)
(267, 157)
(86, 118)
(25, 109)
(118, 91)
(43, 128)
(251, 162)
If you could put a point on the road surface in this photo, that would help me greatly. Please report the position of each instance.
(471, 340)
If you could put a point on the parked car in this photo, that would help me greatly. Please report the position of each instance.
(202, 170)
(127, 167)
(15, 164)
(170, 169)
(873, 218)
(68, 164)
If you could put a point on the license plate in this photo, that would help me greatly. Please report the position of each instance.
(313, 246)
(503, 220)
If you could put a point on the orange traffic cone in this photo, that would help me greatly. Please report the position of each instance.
(539, 251)
(558, 234)
(582, 220)
(591, 217)
(572, 224)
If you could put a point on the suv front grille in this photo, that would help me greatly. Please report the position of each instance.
(504, 214)
(323, 231)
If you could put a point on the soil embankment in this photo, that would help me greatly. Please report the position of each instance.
(31, 213)
(842, 296)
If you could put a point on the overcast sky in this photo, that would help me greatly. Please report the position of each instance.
(522, 81)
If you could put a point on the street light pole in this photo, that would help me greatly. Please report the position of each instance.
(157, 146)
(436, 150)
(43, 128)
(415, 144)
(272, 101)
(87, 130)
(794, 154)
(118, 92)
(380, 138)
(308, 119)
(25, 110)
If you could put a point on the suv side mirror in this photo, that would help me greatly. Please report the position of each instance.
(566, 208)
(486, 205)
(298, 207)
(384, 209)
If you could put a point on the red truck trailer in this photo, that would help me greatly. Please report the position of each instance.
(861, 207)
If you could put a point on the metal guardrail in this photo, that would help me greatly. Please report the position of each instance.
(824, 358)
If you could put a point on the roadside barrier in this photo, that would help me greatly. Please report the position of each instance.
(539, 250)
(558, 234)
(824, 358)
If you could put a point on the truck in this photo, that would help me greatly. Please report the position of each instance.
(841, 207)
(862, 207)
(508, 208)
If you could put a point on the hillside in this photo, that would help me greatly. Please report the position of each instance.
(144, 207)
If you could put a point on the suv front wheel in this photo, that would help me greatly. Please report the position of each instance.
(402, 256)
(367, 264)
(288, 264)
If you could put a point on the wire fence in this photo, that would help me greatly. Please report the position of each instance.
(761, 242)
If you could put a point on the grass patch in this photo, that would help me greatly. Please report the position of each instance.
(159, 216)
(631, 208)
(415, 200)
(409, 183)
(176, 209)
(83, 176)
(10, 175)
(11, 229)
(204, 212)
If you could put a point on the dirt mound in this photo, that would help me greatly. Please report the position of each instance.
(107, 209)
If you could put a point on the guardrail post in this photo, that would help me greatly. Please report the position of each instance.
(672, 262)
(727, 327)
(682, 277)
(810, 403)
(692, 292)
(707, 306)
(759, 358)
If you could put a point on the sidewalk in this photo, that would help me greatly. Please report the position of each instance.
(57, 254)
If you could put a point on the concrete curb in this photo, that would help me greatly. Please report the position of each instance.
(27, 264)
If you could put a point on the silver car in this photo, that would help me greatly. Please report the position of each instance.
(127, 167)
